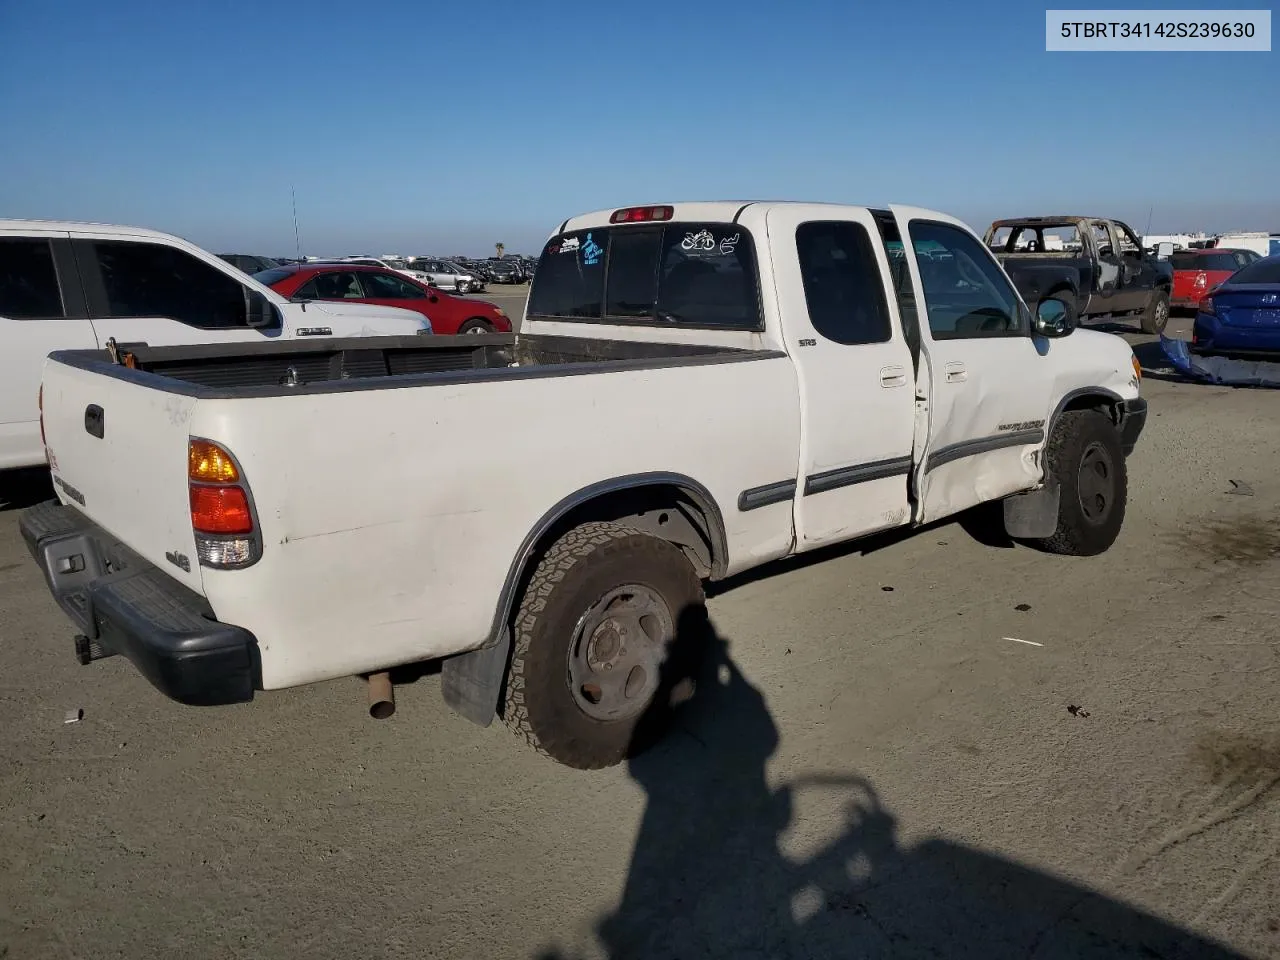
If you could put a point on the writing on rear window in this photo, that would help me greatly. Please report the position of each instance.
(674, 274)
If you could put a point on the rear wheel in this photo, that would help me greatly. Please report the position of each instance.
(1085, 457)
(1156, 317)
(476, 325)
(598, 659)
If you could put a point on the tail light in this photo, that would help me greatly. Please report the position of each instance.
(222, 515)
(641, 214)
(1206, 306)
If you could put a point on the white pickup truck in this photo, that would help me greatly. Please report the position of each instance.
(67, 286)
(697, 389)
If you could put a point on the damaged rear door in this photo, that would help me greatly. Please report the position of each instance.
(984, 376)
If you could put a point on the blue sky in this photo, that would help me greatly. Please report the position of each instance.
(410, 130)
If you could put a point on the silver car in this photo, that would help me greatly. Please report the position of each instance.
(447, 275)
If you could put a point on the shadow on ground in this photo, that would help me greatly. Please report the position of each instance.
(708, 878)
(23, 488)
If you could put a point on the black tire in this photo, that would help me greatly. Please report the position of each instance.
(1156, 316)
(1083, 443)
(476, 325)
(581, 570)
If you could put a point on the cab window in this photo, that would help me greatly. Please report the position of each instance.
(965, 294)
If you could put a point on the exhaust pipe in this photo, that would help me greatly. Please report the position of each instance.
(382, 698)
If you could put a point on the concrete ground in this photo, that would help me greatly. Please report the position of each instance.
(940, 747)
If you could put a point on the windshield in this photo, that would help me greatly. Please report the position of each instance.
(1266, 270)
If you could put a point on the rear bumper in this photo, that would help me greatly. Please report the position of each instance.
(132, 608)
(1210, 336)
(1133, 417)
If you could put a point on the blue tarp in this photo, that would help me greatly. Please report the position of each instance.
(1223, 370)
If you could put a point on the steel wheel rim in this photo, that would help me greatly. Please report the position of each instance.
(616, 652)
(1095, 483)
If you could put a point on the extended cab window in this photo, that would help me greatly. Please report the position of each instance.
(965, 293)
(28, 280)
(842, 284)
(679, 274)
(154, 280)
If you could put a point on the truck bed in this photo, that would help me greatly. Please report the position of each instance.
(240, 370)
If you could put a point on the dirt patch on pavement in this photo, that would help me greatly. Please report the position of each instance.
(1248, 540)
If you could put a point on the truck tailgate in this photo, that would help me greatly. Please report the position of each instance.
(118, 453)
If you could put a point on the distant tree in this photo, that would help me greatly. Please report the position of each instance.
(500, 247)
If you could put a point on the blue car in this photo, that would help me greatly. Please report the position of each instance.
(1241, 316)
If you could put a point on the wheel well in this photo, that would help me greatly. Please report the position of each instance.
(674, 508)
(1092, 401)
(664, 510)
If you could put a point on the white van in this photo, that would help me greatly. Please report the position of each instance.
(1260, 243)
(67, 286)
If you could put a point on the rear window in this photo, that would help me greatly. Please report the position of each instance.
(684, 274)
(275, 275)
(1266, 270)
(1204, 261)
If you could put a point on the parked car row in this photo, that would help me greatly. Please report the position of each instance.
(462, 275)
(508, 269)
(360, 282)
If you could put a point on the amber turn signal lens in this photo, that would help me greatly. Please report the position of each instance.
(209, 463)
(1137, 367)
(220, 510)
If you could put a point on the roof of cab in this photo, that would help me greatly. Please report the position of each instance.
(79, 226)
(712, 210)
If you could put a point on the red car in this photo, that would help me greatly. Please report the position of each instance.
(1196, 272)
(357, 283)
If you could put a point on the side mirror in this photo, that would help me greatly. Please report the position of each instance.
(261, 311)
(1052, 320)
(433, 298)
(1164, 250)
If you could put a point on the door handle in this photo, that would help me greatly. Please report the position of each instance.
(955, 372)
(94, 421)
(893, 376)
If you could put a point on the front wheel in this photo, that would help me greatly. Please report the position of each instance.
(1085, 457)
(600, 652)
(1156, 317)
(475, 326)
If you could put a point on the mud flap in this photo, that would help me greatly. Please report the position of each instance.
(1222, 370)
(1032, 515)
(472, 682)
